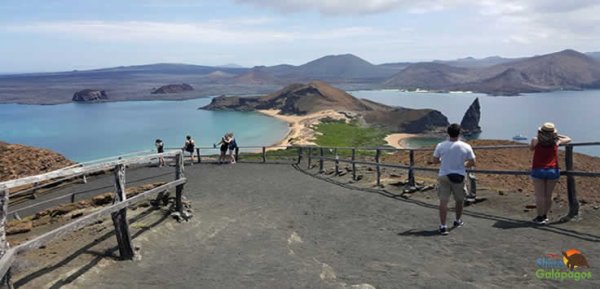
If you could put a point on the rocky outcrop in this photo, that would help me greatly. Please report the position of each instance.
(173, 88)
(295, 99)
(90, 95)
(316, 96)
(17, 161)
(470, 121)
(407, 120)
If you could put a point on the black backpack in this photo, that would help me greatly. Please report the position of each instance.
(189, 146)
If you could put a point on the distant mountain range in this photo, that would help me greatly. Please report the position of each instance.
(564, 70)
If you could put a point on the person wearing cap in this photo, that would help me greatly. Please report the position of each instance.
(544, 168)
(454, 156)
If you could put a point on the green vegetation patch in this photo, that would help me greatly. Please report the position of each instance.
(341, 134)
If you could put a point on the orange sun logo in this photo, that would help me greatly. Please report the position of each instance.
(574, 259)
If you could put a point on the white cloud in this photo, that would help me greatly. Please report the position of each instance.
(335, 7)
(242, 31)
(350, 7)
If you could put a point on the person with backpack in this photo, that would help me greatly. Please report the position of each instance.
(453, 155)
(224, 145)
(160, 148)
(232, 147)
(189, 146)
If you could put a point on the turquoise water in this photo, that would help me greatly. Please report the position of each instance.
(575, 113)
(85, 132)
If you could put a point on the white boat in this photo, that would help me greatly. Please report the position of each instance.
(519, 137)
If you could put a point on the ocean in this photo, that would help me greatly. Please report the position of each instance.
(574, 112)
(84, 132)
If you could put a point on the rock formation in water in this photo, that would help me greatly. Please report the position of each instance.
(173, 88)
(90, 95)
(302, 99)
(470, 121)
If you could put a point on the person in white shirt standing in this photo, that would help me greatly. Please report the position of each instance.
(455, 156)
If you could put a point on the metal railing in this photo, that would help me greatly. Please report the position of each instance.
(118, 210)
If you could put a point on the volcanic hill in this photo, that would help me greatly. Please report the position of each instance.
(17, 161)
(303, 99)
(564, 70)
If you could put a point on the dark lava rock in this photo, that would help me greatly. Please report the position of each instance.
(173, 88)
(470, 122)
(90, 95)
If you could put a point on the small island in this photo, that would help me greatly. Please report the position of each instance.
(173, 88)
(90, 95)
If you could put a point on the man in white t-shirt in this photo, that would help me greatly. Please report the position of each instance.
(454, 155)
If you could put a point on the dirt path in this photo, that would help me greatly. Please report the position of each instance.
(272, 226)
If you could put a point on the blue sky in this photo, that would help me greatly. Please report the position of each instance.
(59, 35)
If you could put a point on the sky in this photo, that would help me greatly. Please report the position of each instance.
(62, 35)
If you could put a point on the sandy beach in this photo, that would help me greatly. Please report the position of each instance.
(397, 139)
(300, 130)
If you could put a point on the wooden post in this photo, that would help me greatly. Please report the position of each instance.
(337, 163)
(179, 189)
(321, 154)
(572, 192)
(4, 246)
(472, 187)
(237, 154)
(34, 191)
(264, 154)
(377, 157)
(309, 157)
(300, 154)
(198, 153)
(353, 164)
(411, 171)
(120, 217)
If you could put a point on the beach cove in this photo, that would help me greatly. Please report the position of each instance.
(85, 132)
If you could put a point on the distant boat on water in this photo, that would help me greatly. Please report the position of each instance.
(519, 137)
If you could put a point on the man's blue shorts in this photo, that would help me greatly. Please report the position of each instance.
(546, 174)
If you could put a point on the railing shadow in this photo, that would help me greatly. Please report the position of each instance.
(110, 253)
(504, 223)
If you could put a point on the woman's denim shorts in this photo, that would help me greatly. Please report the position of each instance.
(546, 174)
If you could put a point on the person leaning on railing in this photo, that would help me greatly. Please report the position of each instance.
(189, 146)
(544, 168)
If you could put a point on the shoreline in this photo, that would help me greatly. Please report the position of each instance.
(300, 131)
(398, 140)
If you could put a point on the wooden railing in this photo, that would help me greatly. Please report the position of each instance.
(569, 171)
(118, 210)
(318, 153)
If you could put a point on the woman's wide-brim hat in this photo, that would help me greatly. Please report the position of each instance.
(548, 127)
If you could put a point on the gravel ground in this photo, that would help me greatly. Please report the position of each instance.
(273, 226)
